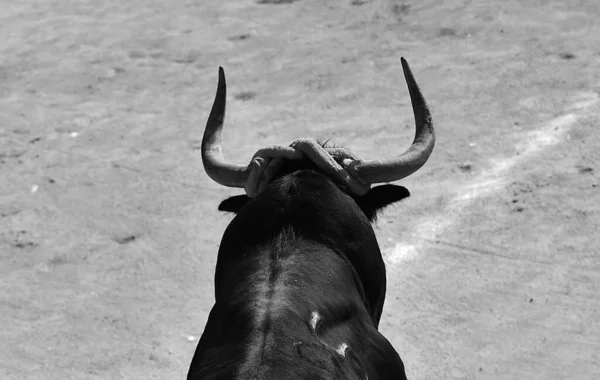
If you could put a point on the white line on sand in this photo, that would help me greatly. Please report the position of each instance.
(491, 180)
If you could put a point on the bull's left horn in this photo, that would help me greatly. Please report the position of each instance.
(393, 169)
(216, 167)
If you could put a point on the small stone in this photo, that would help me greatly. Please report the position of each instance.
(466, 166)
(191, 338)
(566, 55)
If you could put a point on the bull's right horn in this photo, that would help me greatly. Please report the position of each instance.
(405, 164)
(216, 167)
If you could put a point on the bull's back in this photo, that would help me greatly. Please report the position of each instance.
(292, 309)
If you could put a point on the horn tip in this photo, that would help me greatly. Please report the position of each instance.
(405, 65)
(221, 78)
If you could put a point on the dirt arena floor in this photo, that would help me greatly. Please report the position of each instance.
(109, 226)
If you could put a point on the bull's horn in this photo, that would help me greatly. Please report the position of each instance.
(216, 167)
(414, 158)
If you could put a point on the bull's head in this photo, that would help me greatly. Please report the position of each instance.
(364, 172)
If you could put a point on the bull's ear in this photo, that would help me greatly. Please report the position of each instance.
(379, 197)
(234, 204)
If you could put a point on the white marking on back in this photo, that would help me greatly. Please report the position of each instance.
(342, 349)
(314, 320)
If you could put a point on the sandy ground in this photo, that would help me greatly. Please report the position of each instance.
(108, 224)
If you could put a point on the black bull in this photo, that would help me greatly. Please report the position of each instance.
(300, 285)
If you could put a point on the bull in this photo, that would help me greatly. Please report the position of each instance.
(300, 281)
